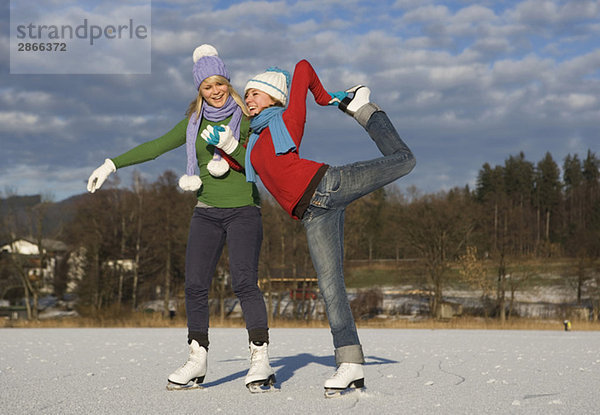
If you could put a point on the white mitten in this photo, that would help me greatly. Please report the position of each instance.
(99, 176)
(217, 168)
(221, 137)
(190, 183)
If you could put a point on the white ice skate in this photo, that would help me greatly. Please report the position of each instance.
(348, 377)
(357, 97)
(260, 377)
(191, 374)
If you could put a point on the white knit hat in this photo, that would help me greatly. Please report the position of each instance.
(273, 81)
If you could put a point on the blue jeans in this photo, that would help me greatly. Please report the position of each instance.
(324, 224)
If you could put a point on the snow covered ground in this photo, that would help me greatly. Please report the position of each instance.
(105, 371)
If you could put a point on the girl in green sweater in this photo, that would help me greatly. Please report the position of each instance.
(227, 212)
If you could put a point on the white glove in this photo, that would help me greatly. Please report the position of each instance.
(99, 176)
(221, 137)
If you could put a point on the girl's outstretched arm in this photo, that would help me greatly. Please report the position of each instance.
(305, 78)
(150, 150)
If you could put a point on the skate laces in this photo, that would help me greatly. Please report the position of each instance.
(341, 371)
(258, 354)
(193, 361)
(258, 351)
(188, 366)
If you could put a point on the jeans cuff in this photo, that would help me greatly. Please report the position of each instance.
(349, 354)
(363, 114)
(258, 335)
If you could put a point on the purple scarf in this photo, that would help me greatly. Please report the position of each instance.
(211, 114)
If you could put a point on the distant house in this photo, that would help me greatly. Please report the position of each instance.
(22, 247)
(28, 248)
(120, 264)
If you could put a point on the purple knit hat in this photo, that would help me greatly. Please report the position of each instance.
(207, 63)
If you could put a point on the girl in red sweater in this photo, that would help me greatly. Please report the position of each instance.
(317, 194)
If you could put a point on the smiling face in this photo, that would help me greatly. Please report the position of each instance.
(214, 93)
(257, 100)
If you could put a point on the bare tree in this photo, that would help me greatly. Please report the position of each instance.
(438, 227)
(169, 213)
(36, 281)
(472, 270)
(519, 276)
(138, 215)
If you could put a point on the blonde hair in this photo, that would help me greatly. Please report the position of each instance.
(277, 103)
(196, 105)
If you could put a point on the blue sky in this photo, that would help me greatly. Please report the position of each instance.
(464, 82)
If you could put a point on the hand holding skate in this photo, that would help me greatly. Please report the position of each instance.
(357, 96)
(337, 97)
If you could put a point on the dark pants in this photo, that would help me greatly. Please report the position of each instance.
(210, 229)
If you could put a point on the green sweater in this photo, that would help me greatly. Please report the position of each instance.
(228, 191)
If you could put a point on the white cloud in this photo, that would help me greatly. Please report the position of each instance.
(580, 66)
(475, 14)
(466, 82)
(579, 10)
(575, 102)
(31, 100)
(427, 14)
(544, 13)
(536, 12)
(20, 122)
(171, 42)
(46, 179)
(409, 4)
(581, 101)
(521, 72)
(492, 45)
(452, 76)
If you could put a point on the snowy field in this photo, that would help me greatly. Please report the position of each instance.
(106, 371)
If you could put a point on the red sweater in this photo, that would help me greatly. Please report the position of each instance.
(287, 176)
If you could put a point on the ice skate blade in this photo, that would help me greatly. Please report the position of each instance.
(261, 386)
(354, 386)
(337, 393)
(196, 384)
(189, 386)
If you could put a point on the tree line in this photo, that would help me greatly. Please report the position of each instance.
(127, 244)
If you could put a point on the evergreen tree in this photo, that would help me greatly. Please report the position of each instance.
(548, 195)
(519, 185)
(491, 193)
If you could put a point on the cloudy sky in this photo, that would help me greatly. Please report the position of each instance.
(465, 82)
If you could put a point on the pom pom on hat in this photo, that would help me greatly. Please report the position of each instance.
(204, 50)
(273, 81)
(207, 63)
